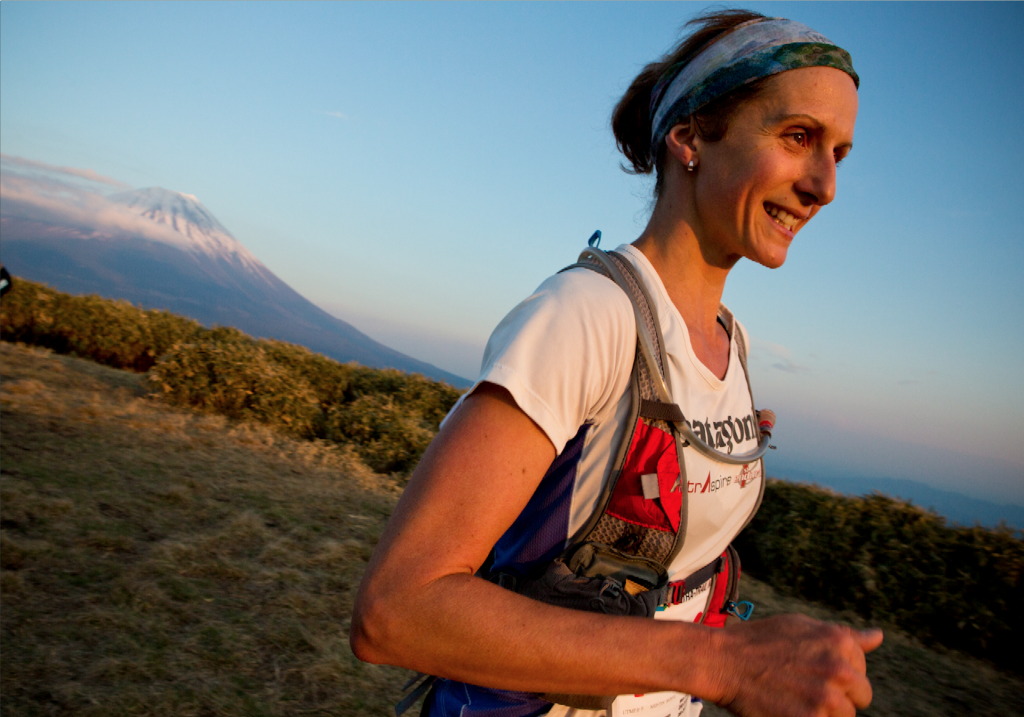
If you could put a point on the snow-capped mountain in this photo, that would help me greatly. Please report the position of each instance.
(165, 250)
(195, 228)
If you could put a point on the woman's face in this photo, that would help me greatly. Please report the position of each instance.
(776, 165)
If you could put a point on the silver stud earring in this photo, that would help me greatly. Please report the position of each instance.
(689, 167)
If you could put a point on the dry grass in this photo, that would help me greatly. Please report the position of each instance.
(162, 562)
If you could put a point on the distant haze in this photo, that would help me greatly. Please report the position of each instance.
(460, 354)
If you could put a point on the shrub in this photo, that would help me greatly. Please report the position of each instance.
(114, 333)
(390, 436)
(388, 416)
(237, 379)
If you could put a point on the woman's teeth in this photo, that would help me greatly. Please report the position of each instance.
(781, 216)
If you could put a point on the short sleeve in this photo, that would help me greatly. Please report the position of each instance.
(565, 353)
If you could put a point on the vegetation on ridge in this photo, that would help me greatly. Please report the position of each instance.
(388, 416)
(887, 559)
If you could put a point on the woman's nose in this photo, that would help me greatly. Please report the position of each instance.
(818, 185)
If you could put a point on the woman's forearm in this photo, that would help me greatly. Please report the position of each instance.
(464, 628)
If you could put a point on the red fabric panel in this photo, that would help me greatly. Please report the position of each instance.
(716, 614)
(652, 451)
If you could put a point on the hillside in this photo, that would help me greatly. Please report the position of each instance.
(164, 250)
(158, 561)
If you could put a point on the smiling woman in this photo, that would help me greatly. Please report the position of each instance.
(608, 453)
(771, 172)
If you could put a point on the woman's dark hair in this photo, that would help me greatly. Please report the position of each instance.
(631, 119)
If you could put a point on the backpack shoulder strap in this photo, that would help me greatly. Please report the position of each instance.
(647, 406)
(764, 426)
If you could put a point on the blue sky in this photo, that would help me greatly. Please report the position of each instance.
(417, 169)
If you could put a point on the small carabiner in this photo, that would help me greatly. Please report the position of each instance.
(742, 609)
(595, 239)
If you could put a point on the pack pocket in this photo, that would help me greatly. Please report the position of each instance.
(596, 578)
(635, 573)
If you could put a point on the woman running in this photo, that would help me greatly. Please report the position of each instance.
(586, 470)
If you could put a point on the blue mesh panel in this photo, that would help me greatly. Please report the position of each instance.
(457, 699)
(538, 535)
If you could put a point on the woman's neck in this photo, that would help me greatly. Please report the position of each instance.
(694, 284)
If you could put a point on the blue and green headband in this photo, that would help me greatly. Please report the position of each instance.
(752, 50)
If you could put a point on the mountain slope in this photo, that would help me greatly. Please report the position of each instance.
(955, 507)
(165, 250)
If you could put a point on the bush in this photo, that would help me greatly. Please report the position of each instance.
(237, 379)
(388, 416)
(114, 333)
(390, 437)
(889, 560)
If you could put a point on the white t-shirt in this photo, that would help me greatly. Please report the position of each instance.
(566, 353)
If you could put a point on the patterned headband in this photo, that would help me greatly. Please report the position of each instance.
(752, 50)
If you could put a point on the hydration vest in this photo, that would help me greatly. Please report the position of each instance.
(616, 563)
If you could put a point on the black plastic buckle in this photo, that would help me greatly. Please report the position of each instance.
(504, 580)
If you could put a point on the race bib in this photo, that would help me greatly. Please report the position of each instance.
(656, 704)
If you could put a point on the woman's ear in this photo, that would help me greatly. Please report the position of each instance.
(681, 143)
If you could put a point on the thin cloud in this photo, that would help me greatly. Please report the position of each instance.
(908, 382)
(781, 358)
(87, 174)
(338, 115)
(50, 201)
(788, 366)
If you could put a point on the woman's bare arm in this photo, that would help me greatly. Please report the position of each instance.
(421, 607)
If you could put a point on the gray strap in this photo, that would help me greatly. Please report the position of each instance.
(410, 699)
(741, 349)
(617, 268)
(659, 411)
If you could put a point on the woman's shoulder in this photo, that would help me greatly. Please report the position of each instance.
(583, 284)
(575, 304)
(565, 352)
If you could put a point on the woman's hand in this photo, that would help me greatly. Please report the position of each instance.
(795, 666)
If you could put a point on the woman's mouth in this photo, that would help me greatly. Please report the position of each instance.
(781, 216)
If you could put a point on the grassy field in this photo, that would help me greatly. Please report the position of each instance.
(158, 561)
(162, 562)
